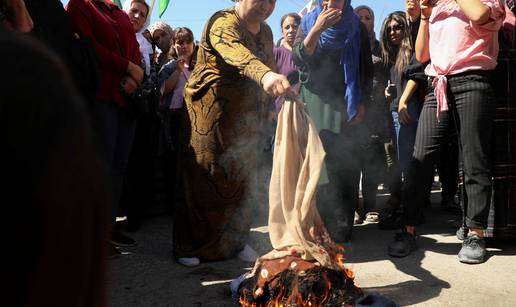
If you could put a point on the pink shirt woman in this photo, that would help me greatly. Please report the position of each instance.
(460, 38)
(457, 45)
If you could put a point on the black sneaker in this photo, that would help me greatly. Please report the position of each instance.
(119, 239)
(113, 252)
(461, 234)
(404, 244)
(473, 250)
(390, 220)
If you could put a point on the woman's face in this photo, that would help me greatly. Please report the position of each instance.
(183, 48)
(367, 20)
(162, 40)
(334, 4)
(395, 32)
(289, 30)
(257, 11)
(137, 15)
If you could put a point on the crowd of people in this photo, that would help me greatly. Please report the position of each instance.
(135, 109)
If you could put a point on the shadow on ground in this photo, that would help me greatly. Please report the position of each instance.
(149, 276)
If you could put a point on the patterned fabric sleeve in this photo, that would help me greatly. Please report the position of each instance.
(226, 40)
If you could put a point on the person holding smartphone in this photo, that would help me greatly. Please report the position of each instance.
(461, 98)
(397, 55)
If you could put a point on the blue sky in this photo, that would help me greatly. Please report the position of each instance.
(195, 13)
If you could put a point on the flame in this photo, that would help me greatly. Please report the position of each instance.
(279, 298)
(340, 261)
(295, 297)
(245, 303)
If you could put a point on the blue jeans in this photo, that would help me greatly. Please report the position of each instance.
(115, 134)
(405, 135)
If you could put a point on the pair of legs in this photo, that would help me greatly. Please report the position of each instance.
(471, 106)
(115, 133)
(338, 200)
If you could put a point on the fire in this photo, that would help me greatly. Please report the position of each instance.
(279, 297)
(287, 292)
(340, 261)
(245, 303)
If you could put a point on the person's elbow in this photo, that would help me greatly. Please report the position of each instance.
(422, 56)
(481, 16)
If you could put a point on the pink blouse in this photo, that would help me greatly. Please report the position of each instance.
(457, 45)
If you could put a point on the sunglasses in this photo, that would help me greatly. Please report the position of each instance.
(395, 28)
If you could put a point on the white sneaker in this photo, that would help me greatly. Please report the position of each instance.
(189, 262)
(248, 254)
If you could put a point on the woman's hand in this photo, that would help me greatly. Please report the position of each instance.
(426, 8)
(387, 93)
(390, 91)
(129, 85)
(135, 72)
(275, 84)
(413, 9)
(182, 64)
(403, 114)
(327, 18)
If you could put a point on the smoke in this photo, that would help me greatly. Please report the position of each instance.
(248, 158)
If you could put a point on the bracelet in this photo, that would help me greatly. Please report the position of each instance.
(424, 18)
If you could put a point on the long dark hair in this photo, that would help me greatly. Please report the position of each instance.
(399, 56)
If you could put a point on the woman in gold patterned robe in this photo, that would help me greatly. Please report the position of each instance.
(227, 95)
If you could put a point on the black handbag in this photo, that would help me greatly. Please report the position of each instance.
(137, 103)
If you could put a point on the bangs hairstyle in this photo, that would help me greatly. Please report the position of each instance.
(296, 17)
(399, 56)
(183, 34)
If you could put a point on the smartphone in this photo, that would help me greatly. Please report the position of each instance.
(433, 2)
(392, 88)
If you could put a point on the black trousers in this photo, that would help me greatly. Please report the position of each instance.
(470, 98)
(338, 200)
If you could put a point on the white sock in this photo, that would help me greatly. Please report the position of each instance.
(189, 262)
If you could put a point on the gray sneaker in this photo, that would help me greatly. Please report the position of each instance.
(461, 234)
(473, 250)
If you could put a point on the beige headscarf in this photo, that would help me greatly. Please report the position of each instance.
(295, 226)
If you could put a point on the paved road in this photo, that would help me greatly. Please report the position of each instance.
(432, 276)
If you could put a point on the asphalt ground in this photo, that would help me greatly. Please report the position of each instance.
(147, 274)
